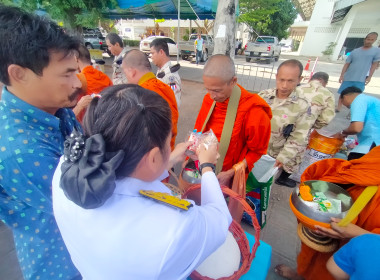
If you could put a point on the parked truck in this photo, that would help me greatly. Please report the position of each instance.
(187, 48)
(264, 48)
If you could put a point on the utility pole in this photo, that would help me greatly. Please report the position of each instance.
(224, 28)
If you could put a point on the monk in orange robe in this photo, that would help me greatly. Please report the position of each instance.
(251, 129)
(138, 70)
(363, 172)
(93, 81)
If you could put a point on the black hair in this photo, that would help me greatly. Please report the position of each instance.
(160, 44)
(350, 90)
(84, 54)
(320, 76)
(28, 40)
(292, 62)
(114, 38)
(372, 33)
(129, 118)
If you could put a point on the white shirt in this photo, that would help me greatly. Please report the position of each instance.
(133, 237)
(171, 79)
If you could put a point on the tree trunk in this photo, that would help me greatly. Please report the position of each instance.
(224, 28)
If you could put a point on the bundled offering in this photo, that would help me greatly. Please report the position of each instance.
(191, 171)
(258, 188)
(318, 199)
(349, 143)
(198, 139)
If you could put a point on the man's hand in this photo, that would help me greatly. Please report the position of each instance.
(339, 135)
(339, 232)
(225, 177)
(367, 80)
(341, 79)
(278, 164)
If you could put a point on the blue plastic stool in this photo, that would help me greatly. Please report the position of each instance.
(261, 263)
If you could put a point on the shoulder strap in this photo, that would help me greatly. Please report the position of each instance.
(228, 126)
(208, 115)
(358, 205)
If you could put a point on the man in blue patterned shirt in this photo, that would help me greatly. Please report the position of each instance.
(38, 68)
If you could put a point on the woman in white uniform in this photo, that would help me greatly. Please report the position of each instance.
(110, 230)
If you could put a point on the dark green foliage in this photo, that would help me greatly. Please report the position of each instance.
(268, 17)
(131, 43)
(73, 14)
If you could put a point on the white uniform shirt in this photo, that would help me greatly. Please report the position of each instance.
(133, 237)
(171, 79)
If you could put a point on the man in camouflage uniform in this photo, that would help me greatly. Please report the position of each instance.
(291, 120)
(166, 73)
(115, 46)
(321, 99)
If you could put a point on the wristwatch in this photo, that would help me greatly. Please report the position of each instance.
(207, 164)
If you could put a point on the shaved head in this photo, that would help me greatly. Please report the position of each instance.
(220, 66)
(137, 60)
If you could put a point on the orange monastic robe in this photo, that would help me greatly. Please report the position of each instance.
(362, 172)
(150, 82)
(251, 131)
(95, 82)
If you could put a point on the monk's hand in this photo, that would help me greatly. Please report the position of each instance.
(178, 154)
(225, 177)
(339, 232)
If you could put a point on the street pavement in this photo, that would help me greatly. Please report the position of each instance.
(280, 230)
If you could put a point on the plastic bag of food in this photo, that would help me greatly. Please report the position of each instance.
(207, 138)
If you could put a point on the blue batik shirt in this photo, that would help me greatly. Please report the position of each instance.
(31, 143)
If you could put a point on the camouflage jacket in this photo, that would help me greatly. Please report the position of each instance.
(118, 76)
(322, 103)
(294, 110)
(171, 79)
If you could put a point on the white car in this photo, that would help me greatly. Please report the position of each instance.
(286, 48)
(145, 44)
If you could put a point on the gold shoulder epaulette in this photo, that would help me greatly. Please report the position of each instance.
(167, 199)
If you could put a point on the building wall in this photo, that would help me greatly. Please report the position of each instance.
(135, 29)
(361, 19)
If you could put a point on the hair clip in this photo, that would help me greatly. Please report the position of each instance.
(73, 146)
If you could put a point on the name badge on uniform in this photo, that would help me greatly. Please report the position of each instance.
(167, 199)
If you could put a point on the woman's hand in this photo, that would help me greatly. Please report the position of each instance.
(339, 232)
(208, 154)
(178, 154)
